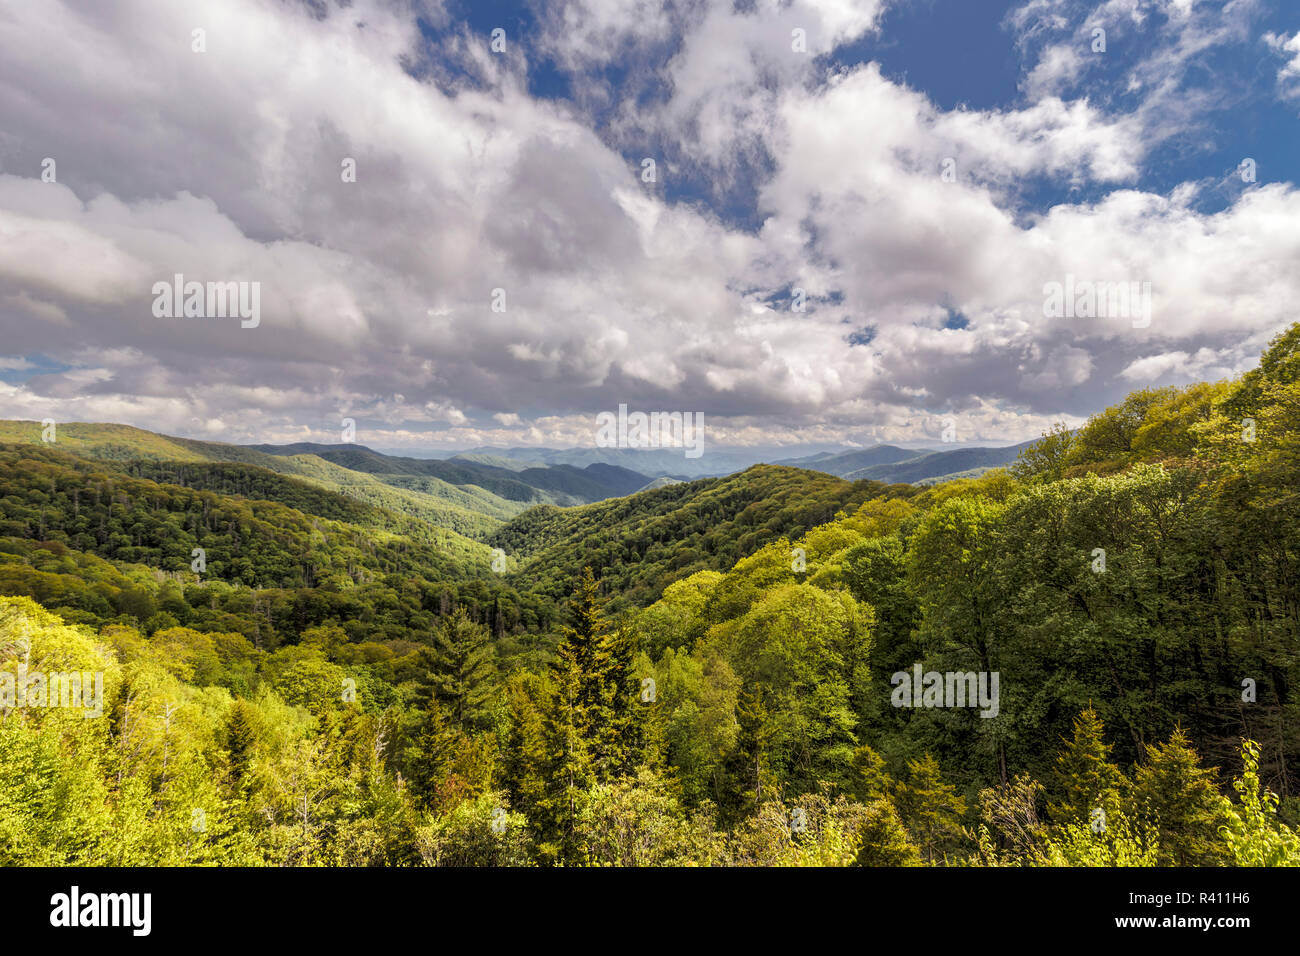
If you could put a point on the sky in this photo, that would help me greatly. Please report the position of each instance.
(828, 222)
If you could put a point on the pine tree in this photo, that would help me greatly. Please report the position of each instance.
(241, 737)
(579, 715)
(930, 809)
(884, 840)
(525, 760)
(1086, 780)
(593, 728)
(461, 669)
(593, 671)
(622, 740)
(570, 772)
(746, 770)
(444, 764)
(1181, 798)
(869, 779)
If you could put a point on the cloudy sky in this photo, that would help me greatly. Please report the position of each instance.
(845, 234)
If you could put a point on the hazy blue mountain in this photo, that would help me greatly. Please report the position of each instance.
(655, 462)
(848, 461)
(940, 464)
(555, 482)
(662, 482)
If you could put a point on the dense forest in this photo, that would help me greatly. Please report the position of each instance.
(708, 673)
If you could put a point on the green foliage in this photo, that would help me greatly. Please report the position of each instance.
(636, 821)
(1086, 780)
(1181, 800)
(461, 664)
(641, 544)
(1046, 459)
(1123, 843)
(346, 683)
(930, 809)
(478, 832)
(1253, 835)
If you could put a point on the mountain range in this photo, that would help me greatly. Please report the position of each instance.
(474, 493)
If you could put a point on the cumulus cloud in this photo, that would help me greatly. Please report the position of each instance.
(499, 271)
(1288, 76)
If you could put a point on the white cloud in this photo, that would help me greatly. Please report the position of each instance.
(1288, 76)
(377, 294)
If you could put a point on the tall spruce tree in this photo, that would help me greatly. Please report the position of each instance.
(746, 771)
(586, 724)
(1086, 780)
(525, 760)
(1181, 798)
(442, 763)
(462, 669)
(930, 808)
(593, 671)
(241, 738)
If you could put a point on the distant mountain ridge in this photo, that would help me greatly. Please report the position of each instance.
(464, 496)
(893, 465)
(940, 464)
(473, 492)
(888, 463)
(845, 462)
(554, 484)
(651, 462)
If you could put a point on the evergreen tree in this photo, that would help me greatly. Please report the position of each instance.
(869, 781)
(241, 738)
(462, 669)
(1086, 780)
(593, 672)
(883, 838)
(526, 758)
(569, 771)
(624, 737)
(746, 770)
(577, 723)
(930, 808)
(1182, 800)
(443, 764)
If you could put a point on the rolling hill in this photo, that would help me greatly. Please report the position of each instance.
(464, 496)
(894, 465)
(640, 544)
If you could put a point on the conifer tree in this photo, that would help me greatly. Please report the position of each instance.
(1086, 780)
(241, 737)
(593, 672)
(622, 739)
(444, 764)
(869, 781)
(525, 758)
(569, 770)
(883, 839)
(461, 669)
(580, 708)
(746, 769)
(930, 808)
(1181, 798)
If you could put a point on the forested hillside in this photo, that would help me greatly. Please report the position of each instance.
(712, 672)
(470, 498)
(638, 545)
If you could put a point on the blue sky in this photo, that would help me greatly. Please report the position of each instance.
(857, 210)
(960, 54)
